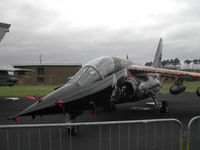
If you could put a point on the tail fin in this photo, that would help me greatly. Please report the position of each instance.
(158, 56)
(3, 29)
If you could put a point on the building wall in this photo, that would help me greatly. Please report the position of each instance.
(47, 75)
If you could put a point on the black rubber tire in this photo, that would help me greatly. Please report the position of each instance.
(164, 108)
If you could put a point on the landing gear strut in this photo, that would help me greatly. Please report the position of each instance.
(163, 106)
(71, 130)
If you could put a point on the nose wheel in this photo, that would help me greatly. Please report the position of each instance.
(71, 130)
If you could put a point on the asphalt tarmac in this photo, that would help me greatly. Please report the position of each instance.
(136, 136)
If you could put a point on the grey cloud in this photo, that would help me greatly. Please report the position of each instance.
(38, 30)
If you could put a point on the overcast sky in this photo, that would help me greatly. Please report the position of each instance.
(76, 31)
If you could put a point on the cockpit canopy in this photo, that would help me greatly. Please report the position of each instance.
(104, 65)
(94, 71)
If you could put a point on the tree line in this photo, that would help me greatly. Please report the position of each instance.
(176, 62)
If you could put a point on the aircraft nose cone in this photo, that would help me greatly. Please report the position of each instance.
(50, 102)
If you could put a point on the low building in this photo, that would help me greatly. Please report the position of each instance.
(47, 74)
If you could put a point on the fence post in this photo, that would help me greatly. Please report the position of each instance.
(189, 130)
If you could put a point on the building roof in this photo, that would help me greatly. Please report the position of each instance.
(48, 65)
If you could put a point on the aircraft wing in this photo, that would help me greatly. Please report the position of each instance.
(21, 70)
(15, 70)
(165, 72)
(3, 29)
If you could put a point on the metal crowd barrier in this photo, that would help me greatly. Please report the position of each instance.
(157, 134)
(193, 134)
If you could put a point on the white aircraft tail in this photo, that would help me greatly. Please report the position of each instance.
(158, 56)
(3, 29)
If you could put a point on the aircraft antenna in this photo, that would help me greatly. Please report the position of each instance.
(40, 59)
(127, 56)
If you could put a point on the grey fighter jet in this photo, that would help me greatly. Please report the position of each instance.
(105, 82)
(5, 78)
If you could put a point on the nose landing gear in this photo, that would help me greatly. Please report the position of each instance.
(71, 130)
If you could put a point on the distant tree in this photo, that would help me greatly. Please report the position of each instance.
(187, 62)
(195, 62)
(171, 62)
(176, 62)
(148, 63)
(198, 63)
(168, 62)
(165, 62)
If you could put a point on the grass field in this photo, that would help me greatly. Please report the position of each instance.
(23, 90)
(42, 90)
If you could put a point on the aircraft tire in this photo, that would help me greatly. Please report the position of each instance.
(73, 130)
(164, 107)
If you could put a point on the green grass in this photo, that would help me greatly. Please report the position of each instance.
(42, 90)
(23, 90)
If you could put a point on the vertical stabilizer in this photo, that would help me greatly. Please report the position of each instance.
(3, 29)
(158, 56)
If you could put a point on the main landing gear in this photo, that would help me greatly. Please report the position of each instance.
(71, 130)
(163, 106)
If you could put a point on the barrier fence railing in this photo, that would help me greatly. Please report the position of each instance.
(193, 134)
(153, 134)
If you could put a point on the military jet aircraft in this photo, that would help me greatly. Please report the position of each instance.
(105, 82)
(5, 78)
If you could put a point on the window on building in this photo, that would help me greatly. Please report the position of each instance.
(21, 73)
(40, 79)
(40, 71)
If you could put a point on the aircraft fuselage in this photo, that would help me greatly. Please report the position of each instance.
(102, 81)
